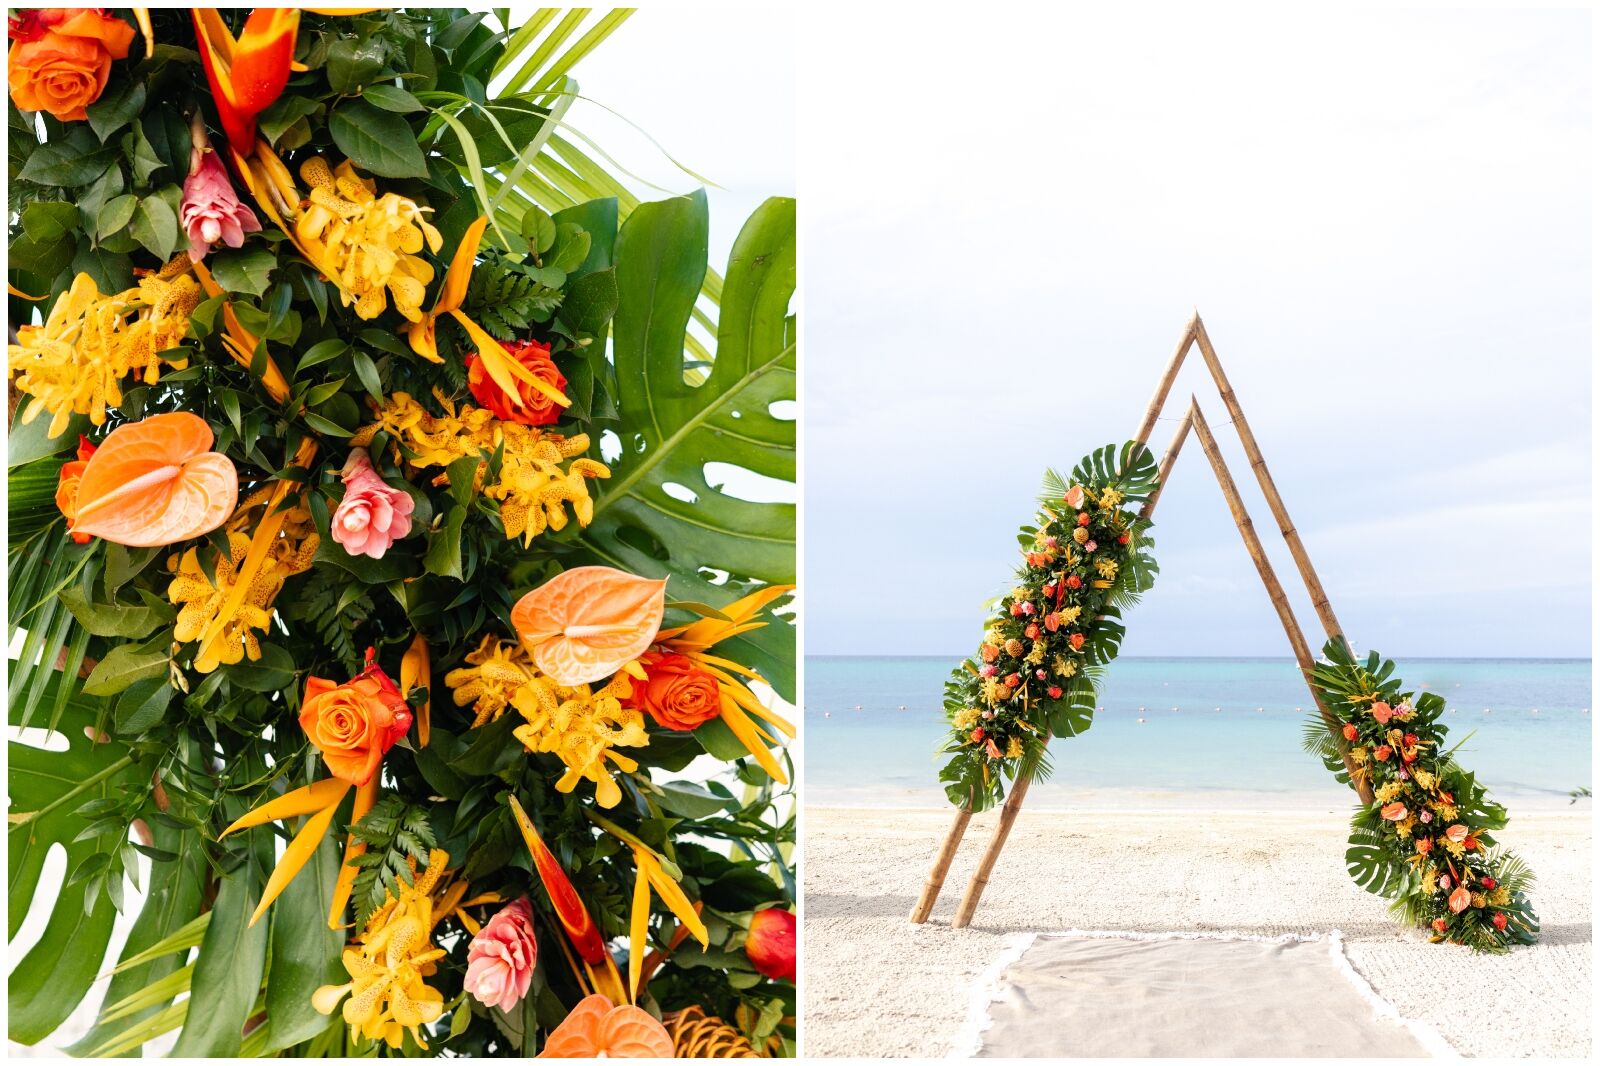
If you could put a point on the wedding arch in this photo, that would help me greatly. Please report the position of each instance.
(1421, 834)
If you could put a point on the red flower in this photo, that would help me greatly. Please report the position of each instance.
(1014, 680)
(1032, 632)
(1050, 589)
(1383, 752)
(1076, 640)
(1052, 621)
(978, 734)
(1424, 845)
(537, 409)
(1350, 732)
(1055, 692)
(1471, 843)
(1489, 882)
(1083, 519)
(1074, 581)
(1016, 610)
(1410, 740)
(1440, 925)
(1125, 538)
(1499, 920)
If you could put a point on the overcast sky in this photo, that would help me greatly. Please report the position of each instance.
(1384, 218)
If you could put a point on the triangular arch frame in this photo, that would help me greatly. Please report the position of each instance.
(1194, 336)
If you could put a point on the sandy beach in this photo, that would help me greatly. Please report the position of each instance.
(876, 985)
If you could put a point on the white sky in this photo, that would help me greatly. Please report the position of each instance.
(1384, 218)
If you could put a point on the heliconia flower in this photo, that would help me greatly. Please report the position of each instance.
(248, 75)
(373, 514)
(771, 943)
(211, 210)
(1382, 712)
(1074, 497)
(501, 957)
(1394, 812)
(1456, 833)
(1460, 900)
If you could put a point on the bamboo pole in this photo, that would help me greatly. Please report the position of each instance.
(941, 867)
(1168, 376)
(1167, 462)
(991, 854)
(1269, 578)
(1269, 489)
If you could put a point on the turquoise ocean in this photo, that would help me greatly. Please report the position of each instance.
(1215, 732)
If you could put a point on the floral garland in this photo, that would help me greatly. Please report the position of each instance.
(1426, 841)
(329, 339)
(1086, 558)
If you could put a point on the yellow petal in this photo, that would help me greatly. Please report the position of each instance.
(307, 800)
(638, 928)
(745, 731)
(454, 290)
(415, 671)
(673, 896)
(366, 796)
(297, 854)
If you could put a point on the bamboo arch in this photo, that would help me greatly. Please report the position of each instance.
(1194, 335)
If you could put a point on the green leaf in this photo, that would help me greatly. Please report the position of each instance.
(379, 142)
(305, 952)
(539, 228)
(572, 248)
(113, 619)
(141, 155)
(248, 270)
(32, 442)
(142, 704)
(444, 547)
(155, 226)
(321, 352)
(590, 302)
(273, 672)
(694, 801)
(285, 112)
(391, 98)
(678, 427)
(227, 973)
(45, 221)
(354, 61)
(117, 107)
(58, 164)
(122, 666)
(116, 214)
(46, 789)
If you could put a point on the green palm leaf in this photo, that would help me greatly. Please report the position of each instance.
(661, 513)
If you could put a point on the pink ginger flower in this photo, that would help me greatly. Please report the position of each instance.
(211, 210)
(500, 958)
(372, 514)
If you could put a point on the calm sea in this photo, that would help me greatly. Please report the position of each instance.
(1192, 732)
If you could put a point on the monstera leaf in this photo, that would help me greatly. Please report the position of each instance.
(661, 514)
(1372, 866)
(48, 791)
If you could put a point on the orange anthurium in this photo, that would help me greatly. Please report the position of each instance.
(585, 623)
(156, 482)
(571, 912)
(597, 1030)
(505, 370)
(246, 75)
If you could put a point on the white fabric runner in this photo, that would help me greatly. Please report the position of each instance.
(1108, 994)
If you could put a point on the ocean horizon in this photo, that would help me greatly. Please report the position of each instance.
(1193, 732)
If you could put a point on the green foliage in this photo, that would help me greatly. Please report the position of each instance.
(396, 834)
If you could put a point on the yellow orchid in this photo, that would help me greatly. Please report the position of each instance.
(739, 704)
(395, 952)
(223, 616)
(76, 361)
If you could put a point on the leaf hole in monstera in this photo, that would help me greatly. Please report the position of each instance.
(611, 446)
(784, 410)
(679, 492)
(745, 484)
(42, 739)
(642, 540)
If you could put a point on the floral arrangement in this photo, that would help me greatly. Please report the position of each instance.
(348, 397)
(1086, 558)
(1426, 841)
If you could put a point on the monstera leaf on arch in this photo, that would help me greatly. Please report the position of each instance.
(711, 545)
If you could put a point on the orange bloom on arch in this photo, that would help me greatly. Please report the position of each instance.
(675, 692)
(537, 407)
(67, 487)
(60, 58)
(356, 723)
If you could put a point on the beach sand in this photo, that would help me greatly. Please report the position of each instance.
(876, 985)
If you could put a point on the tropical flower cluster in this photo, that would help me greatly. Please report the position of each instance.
(312, 538)
(1427, 839)
(1086, 556)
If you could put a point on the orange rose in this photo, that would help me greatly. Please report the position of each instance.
(67, 487)
(676, 693)
(537, 409)
(61, 57)
(354, 724)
